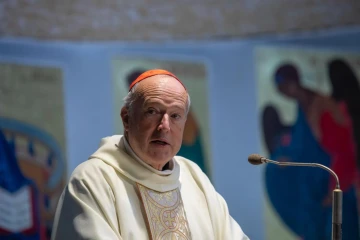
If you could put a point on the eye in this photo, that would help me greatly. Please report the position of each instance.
(176, 116)
(151, 111)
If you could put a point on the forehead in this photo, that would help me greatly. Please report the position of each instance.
(162, 81)
(162, 87)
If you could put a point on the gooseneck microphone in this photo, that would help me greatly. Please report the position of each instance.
(257, 159)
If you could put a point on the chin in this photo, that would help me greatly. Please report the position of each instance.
(163, 158)
(156, 158)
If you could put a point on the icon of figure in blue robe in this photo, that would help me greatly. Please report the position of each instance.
(300, 195)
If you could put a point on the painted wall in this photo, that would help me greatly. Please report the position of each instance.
(232, 98)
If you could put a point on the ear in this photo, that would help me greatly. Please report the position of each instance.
(125, 118)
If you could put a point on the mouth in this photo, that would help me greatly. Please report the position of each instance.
(160, 142)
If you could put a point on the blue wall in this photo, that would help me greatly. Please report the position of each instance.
(232, 95)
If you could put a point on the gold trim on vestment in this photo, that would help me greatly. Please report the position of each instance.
(165, 214)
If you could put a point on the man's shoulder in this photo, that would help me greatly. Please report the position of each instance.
(187, 163)
(91, 168)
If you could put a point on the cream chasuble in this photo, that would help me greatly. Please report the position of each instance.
(165, 214)
(115, 195)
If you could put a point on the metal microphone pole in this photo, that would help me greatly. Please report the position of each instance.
(337, 196)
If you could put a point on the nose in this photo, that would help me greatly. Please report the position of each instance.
(164, 124)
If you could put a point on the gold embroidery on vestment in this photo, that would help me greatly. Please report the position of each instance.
(165, 214)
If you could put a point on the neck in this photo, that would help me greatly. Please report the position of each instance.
(159, 167)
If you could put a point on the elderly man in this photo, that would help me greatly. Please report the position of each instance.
(134, 187)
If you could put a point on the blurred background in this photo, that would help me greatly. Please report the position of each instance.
(279, 78)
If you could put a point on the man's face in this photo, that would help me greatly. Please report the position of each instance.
(155, 123)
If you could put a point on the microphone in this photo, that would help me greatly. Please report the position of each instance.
(256, 159)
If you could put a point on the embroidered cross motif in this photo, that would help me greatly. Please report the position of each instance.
(169, 219)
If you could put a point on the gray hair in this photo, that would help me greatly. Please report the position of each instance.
(133, 95)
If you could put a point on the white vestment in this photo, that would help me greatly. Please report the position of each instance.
(114, 195)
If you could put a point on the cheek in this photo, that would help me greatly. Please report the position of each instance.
(178, 131)
(144, 128)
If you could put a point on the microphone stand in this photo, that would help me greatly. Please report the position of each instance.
(337, 195)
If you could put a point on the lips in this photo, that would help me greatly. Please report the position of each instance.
(160, 142)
